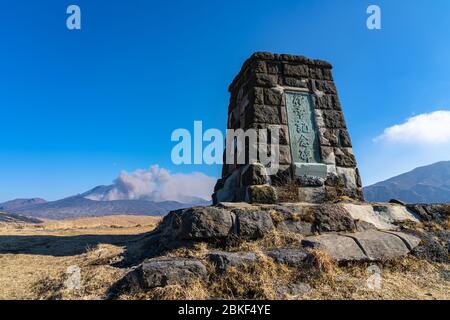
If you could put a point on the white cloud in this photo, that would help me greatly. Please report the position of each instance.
(427, 128)
(156, 184)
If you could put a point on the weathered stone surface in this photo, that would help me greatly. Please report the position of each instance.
(264, 114)
(379, 245)
(223, 260)
(294, 82)
(294, 290)
(265, 80)
(273, 97)
(344, 157)
(253, 224)
(197, 223)
(296, 70)
(310, 181)
(338, 247)
(384, 217)
(300, 227)
(433, 212)
(333, 119)
(261, 194)
(160, 272)
(410, 241)
(254, 174)
(291, 257)
(331, 217)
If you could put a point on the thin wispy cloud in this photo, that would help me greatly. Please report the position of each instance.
(428, 128)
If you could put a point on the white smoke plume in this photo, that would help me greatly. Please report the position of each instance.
(156, 184)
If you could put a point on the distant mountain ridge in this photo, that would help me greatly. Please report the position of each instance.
(20, 203)
(427, 184)
(92, 204)
(78, 206)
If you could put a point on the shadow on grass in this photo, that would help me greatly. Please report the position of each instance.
(60, 246)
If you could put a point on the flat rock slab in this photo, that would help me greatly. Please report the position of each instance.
(300, 227)
(367, 245)
(382, 216)
(292, 257)
(223, 260)
(338, 247)
(378, 245)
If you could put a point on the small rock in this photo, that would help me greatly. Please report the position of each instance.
(224, 260)
(291, 257)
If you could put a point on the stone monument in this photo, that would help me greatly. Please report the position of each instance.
(298, 96)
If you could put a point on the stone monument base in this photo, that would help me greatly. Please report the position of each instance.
(343, 232)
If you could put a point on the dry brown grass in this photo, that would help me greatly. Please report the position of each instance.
(39, 270)
(273, 239)
(254, 281)
(42, 274)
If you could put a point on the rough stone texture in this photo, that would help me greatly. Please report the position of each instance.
(258, 100)
(295, 290)
(301, 227)
(223, 260)
(160, 272)
(291, 257)
(253, 224)
(331, 217)
(367, 245)
(261, 194)
(198, 223)
(379, 245)
(383, 217)
(254, 174)
(338, 247)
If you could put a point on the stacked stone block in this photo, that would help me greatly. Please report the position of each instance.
(258, 101)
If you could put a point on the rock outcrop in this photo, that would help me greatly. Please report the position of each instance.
(334, 229)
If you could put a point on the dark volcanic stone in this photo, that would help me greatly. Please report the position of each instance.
(344, 158)
(291, 257)
(264, 114)
(253, 224)
(224, 260)
(261, 194)
(254, 174)
(331, 217)
(197, 223)
(333, 119)
(160, 272)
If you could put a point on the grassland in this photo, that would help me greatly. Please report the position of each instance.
(36, 259)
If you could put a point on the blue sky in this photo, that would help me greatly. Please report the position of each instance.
(77, 107)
